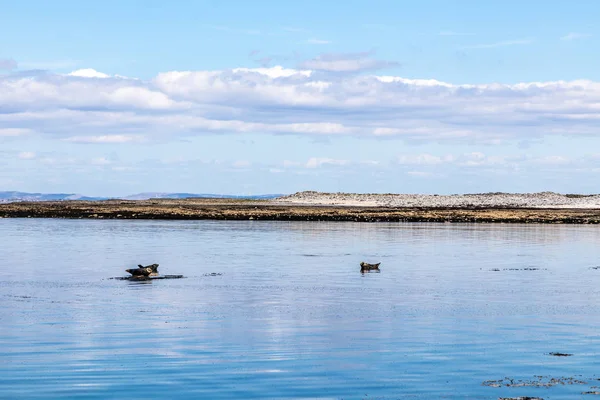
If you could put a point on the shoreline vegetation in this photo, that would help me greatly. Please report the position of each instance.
(545, 207)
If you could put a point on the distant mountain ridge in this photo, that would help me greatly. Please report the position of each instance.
(158, 195)
(24, 196)
(9, 196)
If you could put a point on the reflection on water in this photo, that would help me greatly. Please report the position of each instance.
(292, 316)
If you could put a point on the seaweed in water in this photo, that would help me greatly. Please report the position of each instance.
(521, 398)
(518, 269)
(557, 354)
(539, 381)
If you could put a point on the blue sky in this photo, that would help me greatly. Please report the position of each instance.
(117, 97)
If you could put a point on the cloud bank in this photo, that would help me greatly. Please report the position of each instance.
(328, 95)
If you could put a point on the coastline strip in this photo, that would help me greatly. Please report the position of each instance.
(219, 209)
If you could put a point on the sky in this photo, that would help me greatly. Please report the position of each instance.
(251, 97)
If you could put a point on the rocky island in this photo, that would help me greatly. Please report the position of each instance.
(545, 207)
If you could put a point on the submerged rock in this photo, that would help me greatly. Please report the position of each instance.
(149, 272)
(147, 278)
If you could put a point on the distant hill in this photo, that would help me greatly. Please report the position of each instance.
(152, 195)
(23, 196)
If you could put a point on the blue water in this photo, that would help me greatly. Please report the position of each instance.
(292, 317)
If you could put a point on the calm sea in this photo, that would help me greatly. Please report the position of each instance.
(291, 316)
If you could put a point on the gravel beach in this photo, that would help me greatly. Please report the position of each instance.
(487, 200)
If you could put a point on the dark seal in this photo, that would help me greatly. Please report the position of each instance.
(366, 267)
(148, 270)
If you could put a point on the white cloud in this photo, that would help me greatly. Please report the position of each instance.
(369, 162)
(478, 162)
(453, 172)
(465, 160)
(104, 139)
(473, 159)
(553, 160)
(422, 159)
(14, 132)
(420, 174)
(100, 161)
(123, 169)
(350, 62)
(89, 73)
(26, 155)
(86, 109)
(273, 72)
(316, 162)
(318, 41)
(241, 164)
(58, 161)
(574, 35)
(295, 30)
(290, 164)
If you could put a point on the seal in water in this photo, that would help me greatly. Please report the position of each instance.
(365, 267)
(148, 270)
(154, 268)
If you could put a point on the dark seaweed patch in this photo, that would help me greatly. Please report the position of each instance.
(520, 398)
(538, 381)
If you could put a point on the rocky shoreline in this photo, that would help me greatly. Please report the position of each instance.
(299, 209)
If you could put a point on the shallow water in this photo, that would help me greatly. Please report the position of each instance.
(291, 316)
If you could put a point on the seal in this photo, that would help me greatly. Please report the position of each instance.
(154, 268)
(366, 267)
(149, 270)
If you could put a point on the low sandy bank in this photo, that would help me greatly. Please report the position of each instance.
(482, 200)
